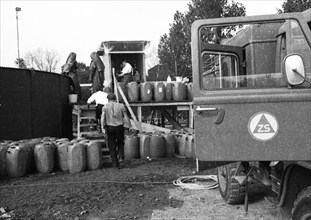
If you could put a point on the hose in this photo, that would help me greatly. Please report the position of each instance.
(195, 182)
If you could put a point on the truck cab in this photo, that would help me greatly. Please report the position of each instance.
(252, 105)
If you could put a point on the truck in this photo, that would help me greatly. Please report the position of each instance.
(252, 106)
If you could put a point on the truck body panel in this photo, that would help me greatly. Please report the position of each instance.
(244, 108)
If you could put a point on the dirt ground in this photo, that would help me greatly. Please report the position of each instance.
(142, 190)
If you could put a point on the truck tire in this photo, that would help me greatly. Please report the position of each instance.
(231, 191)
(302, 205)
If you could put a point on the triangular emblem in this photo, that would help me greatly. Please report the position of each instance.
(263, 126)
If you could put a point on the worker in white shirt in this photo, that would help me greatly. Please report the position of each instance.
(100, 99)
(126, 72)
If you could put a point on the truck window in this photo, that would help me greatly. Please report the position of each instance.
(220, 70)
(247, 56)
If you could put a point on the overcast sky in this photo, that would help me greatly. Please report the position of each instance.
(81, 26)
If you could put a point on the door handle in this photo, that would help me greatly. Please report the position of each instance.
(220, 113)
(199, 109)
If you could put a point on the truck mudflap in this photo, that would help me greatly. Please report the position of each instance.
(206, 165)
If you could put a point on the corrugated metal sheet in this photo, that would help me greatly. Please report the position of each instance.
(34, 104)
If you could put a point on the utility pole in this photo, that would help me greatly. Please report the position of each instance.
(17, 9)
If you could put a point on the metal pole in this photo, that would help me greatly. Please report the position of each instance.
(17, 9)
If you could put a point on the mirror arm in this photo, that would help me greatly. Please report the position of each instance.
(299, 74)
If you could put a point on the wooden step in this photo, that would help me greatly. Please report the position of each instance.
(87, 118)
(87, 125)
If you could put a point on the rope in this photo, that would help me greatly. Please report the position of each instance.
(85, 182)
(188, 182)
(193, 182)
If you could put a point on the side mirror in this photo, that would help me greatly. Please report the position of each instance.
(294, 69)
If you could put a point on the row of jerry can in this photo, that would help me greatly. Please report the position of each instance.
(159, 145)
(156, 91)
(46, 155)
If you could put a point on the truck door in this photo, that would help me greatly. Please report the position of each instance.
(244, 109)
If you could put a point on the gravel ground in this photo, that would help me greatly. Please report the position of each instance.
(142, 190)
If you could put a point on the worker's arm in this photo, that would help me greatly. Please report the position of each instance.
(91, 99)
(103, 119)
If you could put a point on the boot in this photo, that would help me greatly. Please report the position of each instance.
(121, 163)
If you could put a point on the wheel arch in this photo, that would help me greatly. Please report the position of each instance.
(295, 178)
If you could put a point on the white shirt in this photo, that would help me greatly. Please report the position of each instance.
(99, 97)
(127, 68)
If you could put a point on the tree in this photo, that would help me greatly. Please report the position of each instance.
(44, 60)
(83, 72)
(20, 63)
(174, 48)
(295, 6)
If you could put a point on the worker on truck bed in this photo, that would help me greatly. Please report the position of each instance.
(100, 99)
(126, 72)
(70, 69)
(97, 70)
(114, 119)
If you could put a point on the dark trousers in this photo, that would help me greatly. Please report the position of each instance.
(115, 143)
(75, 83)
(98, 109)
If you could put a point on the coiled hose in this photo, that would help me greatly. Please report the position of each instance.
(197, 182)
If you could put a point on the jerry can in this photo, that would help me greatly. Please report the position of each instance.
(179, 91)
(144, 145)
(146, 91)
(170, 144)
(16, 160)
(76, 158)
(132, 91)
(157, 146)
(94, 158)
(62, 156)
(131, 147)
(159, 91)
(44, 157)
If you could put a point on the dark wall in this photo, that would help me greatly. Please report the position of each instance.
(34, 104)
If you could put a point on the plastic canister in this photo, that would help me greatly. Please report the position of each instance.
(188, 146)
(144, 145)
(124, 89)
(168, 91)
(76, 158)
(157, 146)
(170, 144)
(44, 157)
(131, 147)
(94, 157)
(159, 91)
(182, 144)
(177, 137)
(16, 159)
(133, 91)
(62, 156)
(146, 92)
(179, 91)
